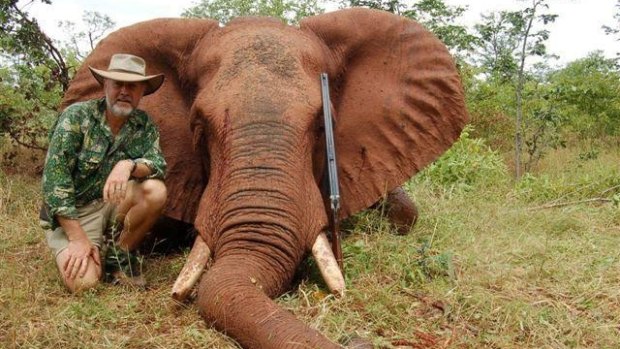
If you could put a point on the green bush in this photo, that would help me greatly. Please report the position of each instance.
(28, 102)
(469, 164)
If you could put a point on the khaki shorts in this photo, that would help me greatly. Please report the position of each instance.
(96, 218)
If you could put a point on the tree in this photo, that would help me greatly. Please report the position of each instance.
(545, 122)
(506, 41)
(289, 11)
(433, 14)
(614, 29)
(588, 93)
(28, 102)
(82, 42)
(393, 6)
(33, 78)
(440, 18)
(37, 72)
(22, 38)
(498, 40)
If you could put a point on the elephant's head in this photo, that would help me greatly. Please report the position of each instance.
(241, 129)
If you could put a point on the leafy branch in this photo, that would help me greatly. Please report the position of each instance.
(22, 37)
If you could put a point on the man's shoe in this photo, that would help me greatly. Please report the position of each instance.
(123, 268)
(120, 278)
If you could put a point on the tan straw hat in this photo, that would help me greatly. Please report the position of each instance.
(128, 68)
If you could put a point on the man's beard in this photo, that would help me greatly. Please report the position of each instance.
(119, 110)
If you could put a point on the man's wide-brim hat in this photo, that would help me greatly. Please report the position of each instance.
(128, 68)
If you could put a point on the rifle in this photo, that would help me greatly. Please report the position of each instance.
(334, 193)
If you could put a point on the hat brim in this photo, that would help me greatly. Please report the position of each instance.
(153, 82)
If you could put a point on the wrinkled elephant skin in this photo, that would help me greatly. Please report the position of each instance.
(241, 130)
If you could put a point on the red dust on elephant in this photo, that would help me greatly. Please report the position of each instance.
(240, 117)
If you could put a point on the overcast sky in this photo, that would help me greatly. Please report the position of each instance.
(576, 32)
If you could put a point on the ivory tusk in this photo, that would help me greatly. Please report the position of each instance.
(328, 266)
(193, 268)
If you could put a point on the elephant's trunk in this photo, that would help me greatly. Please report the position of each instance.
(262, 211)
(232, 297)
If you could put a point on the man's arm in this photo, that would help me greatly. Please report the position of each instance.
(152, 163)
(58, 186)
(79, 251)
(59, 193)
(141, 170)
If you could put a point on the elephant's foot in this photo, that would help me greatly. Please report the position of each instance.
(401, 210)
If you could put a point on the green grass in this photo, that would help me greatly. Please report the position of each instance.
(486, 267)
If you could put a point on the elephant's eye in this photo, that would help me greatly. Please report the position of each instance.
(199, 119)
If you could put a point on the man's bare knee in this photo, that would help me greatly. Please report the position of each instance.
(154, 193)
(89, 281)
(79, 285)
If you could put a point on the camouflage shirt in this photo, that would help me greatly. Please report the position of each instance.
(82, 152)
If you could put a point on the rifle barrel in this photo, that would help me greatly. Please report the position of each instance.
(332, 169)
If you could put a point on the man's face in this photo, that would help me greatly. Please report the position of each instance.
(123, 97)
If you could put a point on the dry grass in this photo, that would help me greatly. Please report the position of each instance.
(37, 312)
(481, 270)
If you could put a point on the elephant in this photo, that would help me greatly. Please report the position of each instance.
(240, 117)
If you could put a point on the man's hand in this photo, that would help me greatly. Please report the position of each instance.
(79, 253)
(115, 186)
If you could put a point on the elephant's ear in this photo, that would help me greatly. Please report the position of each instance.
(166, 45)
(397, 96)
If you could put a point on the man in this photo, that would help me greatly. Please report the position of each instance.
(104, 165)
